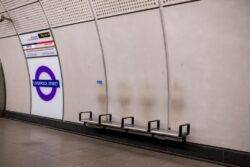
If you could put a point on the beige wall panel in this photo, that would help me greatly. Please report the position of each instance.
(209, 61)
(16, 75)
(136, 66)
(81, 59)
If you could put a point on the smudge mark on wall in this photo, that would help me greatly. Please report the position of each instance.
(124, 97)
(177, 98)
(147, 101)
(101, 98)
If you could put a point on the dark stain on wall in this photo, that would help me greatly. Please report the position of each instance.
(177, 98)
(147, 103)
(102, 99)
(147, 100)
(124, 96)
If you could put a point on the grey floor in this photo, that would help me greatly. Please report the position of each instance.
(26, 145)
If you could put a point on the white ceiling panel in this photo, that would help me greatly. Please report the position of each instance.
(29, 18)
(63, 12)
(11, 4)
(105, 8)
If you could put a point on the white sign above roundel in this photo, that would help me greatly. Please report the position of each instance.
(38, 44)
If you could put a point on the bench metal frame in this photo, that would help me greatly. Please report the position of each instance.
(152, 129)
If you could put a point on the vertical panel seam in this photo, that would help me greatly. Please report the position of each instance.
(59, 60)
(164, 33)
(103, 56)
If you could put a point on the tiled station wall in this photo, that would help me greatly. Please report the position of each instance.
(125, 43)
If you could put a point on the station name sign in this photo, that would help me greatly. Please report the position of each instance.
(38, 44)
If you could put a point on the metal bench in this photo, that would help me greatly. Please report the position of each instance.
(87, 119)
(156, 130)
(108, 121)
(128, 124)
(131, 125)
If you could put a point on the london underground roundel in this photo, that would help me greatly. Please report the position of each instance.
(50, 82)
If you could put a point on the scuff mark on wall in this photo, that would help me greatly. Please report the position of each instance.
(102, 98)
(147, 101)
(124, 97)
(177, 98)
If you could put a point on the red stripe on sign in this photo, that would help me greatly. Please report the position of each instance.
(45, 42)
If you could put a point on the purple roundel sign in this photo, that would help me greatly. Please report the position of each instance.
(52, 83)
